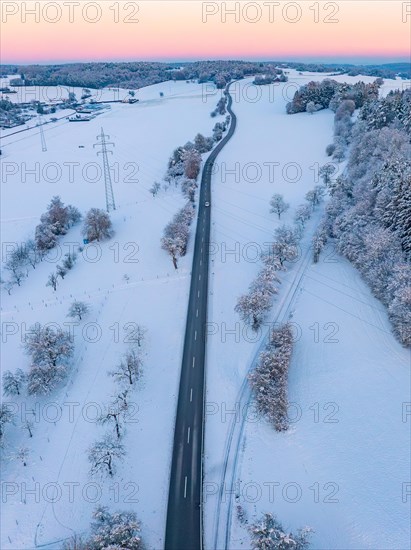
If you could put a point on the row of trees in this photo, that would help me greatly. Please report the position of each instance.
(270, 378)
(253, 305)
(342, 130)
(177, 232)
(183, 169)
(104, 453)
(221, 107)
(369, 214)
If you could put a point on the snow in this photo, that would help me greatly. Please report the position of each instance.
(365, 373)
(155, 296)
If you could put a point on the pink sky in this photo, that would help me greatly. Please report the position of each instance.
(167, 29)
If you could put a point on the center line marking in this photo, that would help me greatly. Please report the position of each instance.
(194, 360)
(195, 335)
(185, 487)
(191, 395)
(198, 294)
(197, 313)
(188, 435)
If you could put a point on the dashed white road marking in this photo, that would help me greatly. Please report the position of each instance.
(185, 487)
(188, 435)
(191, 395)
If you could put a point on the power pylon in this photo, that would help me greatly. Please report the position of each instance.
(42, 137)
(101, 142)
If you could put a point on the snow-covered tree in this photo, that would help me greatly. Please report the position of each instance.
(270, 378)
(56, 217)
(202, 144)
(315, 196)
(311, 108)
(192, 163)
(97, 225)
(268, 534)
(48, 346)
(278, 204)
(13, 383)
(155, 188)
(326, 172)
(61, 271)
(115, 531)
(33, 256)
(6, 417)
(69, 260)
(318, 242)
(400, 314)
(189, 188)
(53, 281)
(73, 214)
(129, 369)
(114, 414)
(104, 454)
(330, 149)
(16, 264)
(302, 214)
(176, 233)
(285, 242)
(252, 306)
(45, 238)
(44, 379)
(78, 309)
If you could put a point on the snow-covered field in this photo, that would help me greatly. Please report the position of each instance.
(155, 296)
(363, 377)
(365, 374)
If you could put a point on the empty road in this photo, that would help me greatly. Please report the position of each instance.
(184, 513)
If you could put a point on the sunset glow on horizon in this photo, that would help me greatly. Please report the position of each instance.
(52, 32)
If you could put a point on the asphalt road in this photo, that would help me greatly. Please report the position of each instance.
(184, 513)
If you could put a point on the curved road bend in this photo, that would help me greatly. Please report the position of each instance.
(184, 513)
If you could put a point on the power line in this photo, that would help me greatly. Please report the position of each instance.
(110, 204)
(42, 137)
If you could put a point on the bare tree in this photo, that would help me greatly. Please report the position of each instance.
(28, 426)
(129, 368)
(52, 281)
(22, 454)
(114, 415)
(103, 455)
(155, 188)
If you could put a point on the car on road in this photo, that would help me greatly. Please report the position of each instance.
(206, 203)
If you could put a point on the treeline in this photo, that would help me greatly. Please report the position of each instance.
(183, 170)
(270, 378)
(329, 94)
(369, 214)
(134, 75)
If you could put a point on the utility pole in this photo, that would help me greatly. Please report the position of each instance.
(101, 142)
(43, 139)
